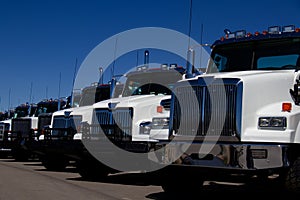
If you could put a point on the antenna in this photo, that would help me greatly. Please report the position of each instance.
(46, 92)
(72, 89)
(137, 57)
(190, 22)
(9, 91)
(113, 67)
(101, 75)
(30, 100)
(30, 94)
(190, 52)
(59, 82)
(75, 70)
(201, 36)
(113, 78)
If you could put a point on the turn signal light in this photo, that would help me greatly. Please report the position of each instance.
(286, 107)
(159, 109)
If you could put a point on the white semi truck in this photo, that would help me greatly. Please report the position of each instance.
(28, 123)
(124, 121)
(59, 142)
(239, 118)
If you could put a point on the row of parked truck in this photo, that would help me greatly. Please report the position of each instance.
(239, 117)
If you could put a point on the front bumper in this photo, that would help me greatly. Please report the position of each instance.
(244, 157)
(5, 146)
(73, 149)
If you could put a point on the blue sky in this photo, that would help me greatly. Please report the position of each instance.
(42, 39)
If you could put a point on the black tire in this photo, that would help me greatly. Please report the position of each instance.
(180, 182)
(292, 181)
(182, 187)
(20, 155)
(92, 170)
(55, 163)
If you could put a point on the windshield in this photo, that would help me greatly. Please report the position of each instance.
(160, 82)
(91, 95)
(24, 110)
(275, 54)
(48, 107)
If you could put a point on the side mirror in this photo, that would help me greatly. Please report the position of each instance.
(296, 93)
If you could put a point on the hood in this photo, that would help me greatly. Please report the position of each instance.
(131, 101)
(262, 94)
(62, 112)
(251, 74)
(79, 110)
(85, 112)
(7, 121)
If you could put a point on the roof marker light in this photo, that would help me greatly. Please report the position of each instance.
(287, 29)
(274, 30)
(256, 33)
(240, 34)
(265, 32)
(173, 66)
(164, 66)
(231, 35)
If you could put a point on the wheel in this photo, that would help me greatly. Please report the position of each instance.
(181, 183)
(92, 170)
(292, 181)
(182, 187)
(20, 155)
(54, 163)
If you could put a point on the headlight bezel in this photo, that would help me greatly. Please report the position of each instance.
(272, 122)
(145, 128)
(160, 122)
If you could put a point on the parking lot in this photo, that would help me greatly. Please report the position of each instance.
(30, 180)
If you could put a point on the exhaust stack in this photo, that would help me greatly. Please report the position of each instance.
(101, 75)
(190, 63)
(146, 58)
(113, 83)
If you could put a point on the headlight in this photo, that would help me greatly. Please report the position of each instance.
(160, 123)
(145, 128)
(272, 122)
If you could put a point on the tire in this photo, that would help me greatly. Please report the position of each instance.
(292, 181)
(20, 155)
(180, 183)
(55, 163)
(92, 170)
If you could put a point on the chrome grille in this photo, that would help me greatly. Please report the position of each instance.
(2, 130)
(115, 124)
(65, 126)
(21, 127)
(205, 110)
(43, 121)
(59, 122)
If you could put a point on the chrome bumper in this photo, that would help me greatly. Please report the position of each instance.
(231, 156)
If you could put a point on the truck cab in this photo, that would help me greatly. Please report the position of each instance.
(28, 123)
(60, 140)
(124, 120)
(241, 116)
